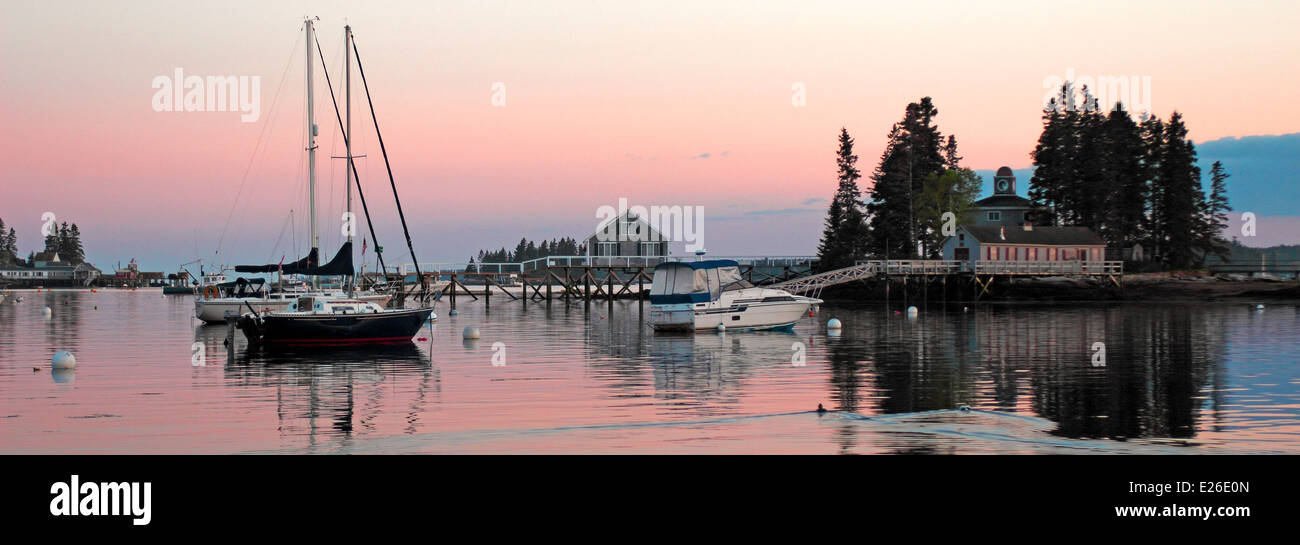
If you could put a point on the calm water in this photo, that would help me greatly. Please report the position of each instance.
(1178, 378)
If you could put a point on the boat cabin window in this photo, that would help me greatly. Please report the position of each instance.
(306, 303)
(695, 284)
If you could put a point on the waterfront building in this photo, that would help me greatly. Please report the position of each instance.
(47, 269)
(1001, 228)
(627, 235)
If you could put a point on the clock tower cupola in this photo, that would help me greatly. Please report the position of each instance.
(1004, 182)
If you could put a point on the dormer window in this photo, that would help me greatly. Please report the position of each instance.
(995, 216)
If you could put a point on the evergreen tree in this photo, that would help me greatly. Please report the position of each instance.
(1153, 138)
(1214, 214)
(1180, 201)
(8, 246)
(1126, 178)
(915, 149)
(844, 238)
(76, 254)
(52, 241)
(1051, 158)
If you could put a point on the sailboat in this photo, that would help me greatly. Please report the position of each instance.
(322, 320)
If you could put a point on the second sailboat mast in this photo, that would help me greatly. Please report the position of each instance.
(311, 155)
(347, 78)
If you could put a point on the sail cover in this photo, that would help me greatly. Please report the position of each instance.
(340, 265)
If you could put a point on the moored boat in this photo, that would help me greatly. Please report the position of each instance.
(311, 320)
(701, 295)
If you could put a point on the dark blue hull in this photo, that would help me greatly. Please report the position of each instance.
(393, 326)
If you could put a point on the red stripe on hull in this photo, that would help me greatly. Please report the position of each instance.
(367, 340)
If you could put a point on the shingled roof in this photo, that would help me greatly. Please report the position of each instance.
(1004, 200)
(1045, 236)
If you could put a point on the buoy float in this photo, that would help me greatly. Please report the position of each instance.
(721, 328)
(1259, 307)
(47, 311)
(63, 360)
(833, 323)
(912, 312)
(470, 332)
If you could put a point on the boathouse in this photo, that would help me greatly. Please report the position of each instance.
(627, 235)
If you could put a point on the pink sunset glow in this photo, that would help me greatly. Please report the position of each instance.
(603, 100)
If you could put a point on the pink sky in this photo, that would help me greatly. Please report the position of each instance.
(603, 100)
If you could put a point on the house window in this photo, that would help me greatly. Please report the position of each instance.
(606, 248)
(650, 248)
(995, 216)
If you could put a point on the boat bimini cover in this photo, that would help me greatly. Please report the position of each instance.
(692, 281)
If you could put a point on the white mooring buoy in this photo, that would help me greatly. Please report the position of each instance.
(833, 323)
(47, 312)
(470, 332)
(721, 328)
(912, 312)
(63, 360)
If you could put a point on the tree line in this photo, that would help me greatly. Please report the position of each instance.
(65, 239)
(1132, 182)
(527, 249)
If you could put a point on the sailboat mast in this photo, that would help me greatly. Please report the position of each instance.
(347, 78)
(311, 153)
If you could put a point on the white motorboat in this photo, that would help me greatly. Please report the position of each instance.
(695, 295)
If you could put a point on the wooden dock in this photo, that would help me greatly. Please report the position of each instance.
(586, 278)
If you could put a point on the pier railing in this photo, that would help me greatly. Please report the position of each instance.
(591, 261)
(939, 266)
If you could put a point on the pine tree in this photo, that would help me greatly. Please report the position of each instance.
(1051, 158)
(914, 150)
(1153, 138)
(1214, 215)
(52, 240)
(1126, 177)
(1180, 197)
(76, 253)
(8, 249)
(843, 240)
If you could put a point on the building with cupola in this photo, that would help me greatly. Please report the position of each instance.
(1004, 207)
(1001, 228)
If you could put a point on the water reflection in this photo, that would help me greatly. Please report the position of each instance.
(1158, 361)
(332, 392)
(1218, 376)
